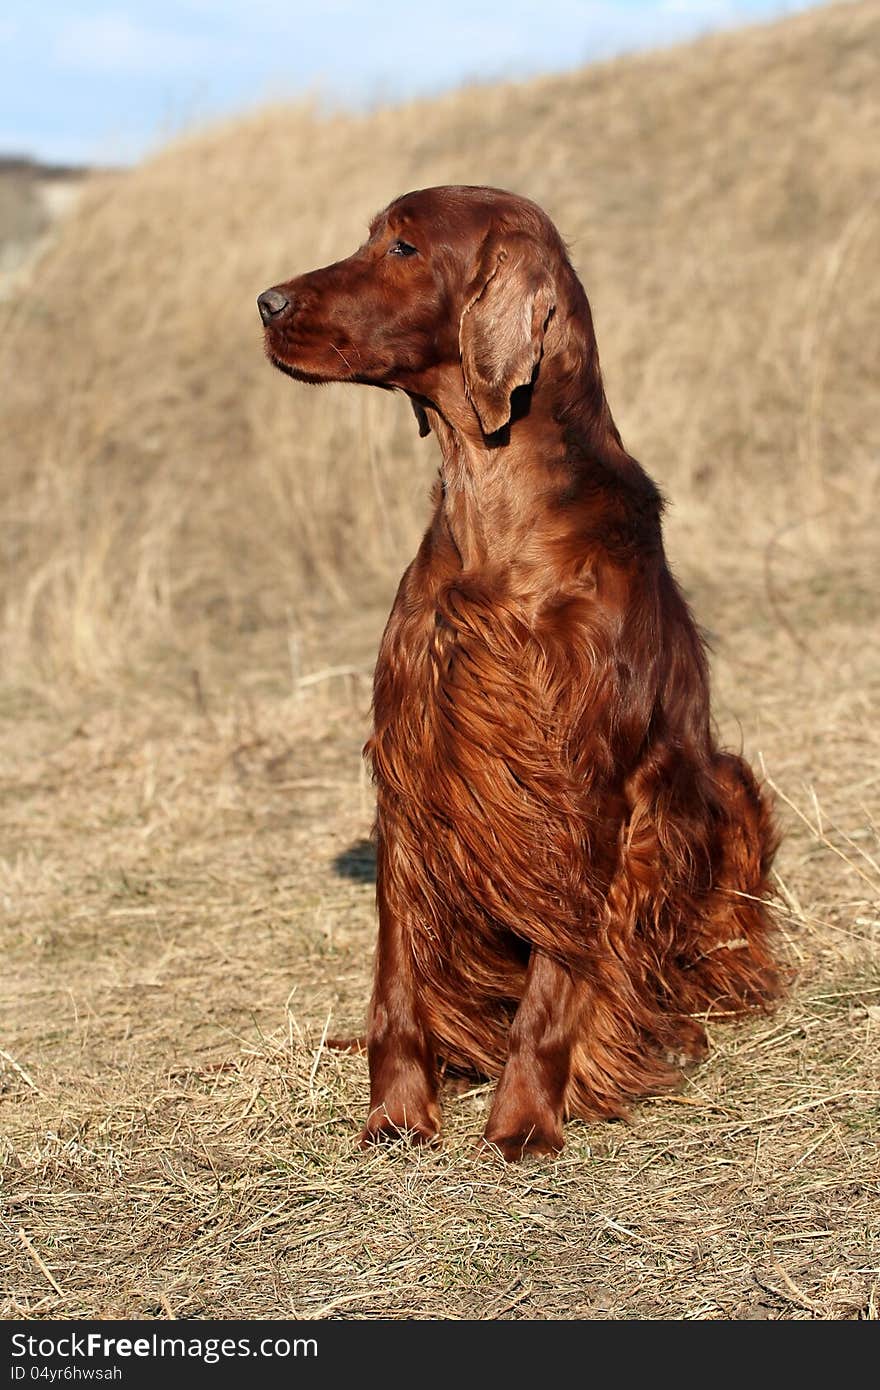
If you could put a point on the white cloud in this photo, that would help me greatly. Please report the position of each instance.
(117, 42)
(710, 9)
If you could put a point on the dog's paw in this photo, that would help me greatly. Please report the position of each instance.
(387, 1126)
(521, 1142)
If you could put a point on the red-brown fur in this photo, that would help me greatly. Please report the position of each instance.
(570, 872)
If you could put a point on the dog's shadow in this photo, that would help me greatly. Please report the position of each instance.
(357, 863)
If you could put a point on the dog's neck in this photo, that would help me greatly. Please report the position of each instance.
(473, 504)
(553, 449)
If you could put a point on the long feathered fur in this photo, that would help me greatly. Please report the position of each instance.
(571, 873)
(533, 803)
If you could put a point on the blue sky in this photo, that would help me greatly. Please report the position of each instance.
(82, 80)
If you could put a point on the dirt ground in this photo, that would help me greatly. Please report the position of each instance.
(186, 886)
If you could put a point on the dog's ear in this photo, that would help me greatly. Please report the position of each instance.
(419, 413)
(501, 333)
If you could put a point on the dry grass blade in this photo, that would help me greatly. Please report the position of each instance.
(39, 1262)
(817, 829)
(17, 1067)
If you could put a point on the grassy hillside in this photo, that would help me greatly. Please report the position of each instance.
(165, 494)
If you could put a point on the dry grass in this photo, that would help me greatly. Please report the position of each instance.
(185, 888)
(188, 909)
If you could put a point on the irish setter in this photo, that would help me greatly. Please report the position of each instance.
(570, 872)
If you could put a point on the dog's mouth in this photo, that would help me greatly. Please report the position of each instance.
(296, 373)
(291, 358)
(314, 360)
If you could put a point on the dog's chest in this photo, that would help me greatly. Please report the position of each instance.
(454, 688)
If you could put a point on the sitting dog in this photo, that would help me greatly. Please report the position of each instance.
(569, 871)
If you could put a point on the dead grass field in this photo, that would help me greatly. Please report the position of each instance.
(197, 559)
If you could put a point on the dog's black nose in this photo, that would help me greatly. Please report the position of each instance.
(271, 303)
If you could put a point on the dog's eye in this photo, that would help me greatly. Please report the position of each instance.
(401, 248)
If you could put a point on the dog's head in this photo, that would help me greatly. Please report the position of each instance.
(450, 296)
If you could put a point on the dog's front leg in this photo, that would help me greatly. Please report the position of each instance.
(527, 1112)
(403, 1070)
